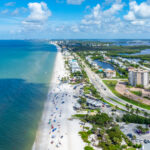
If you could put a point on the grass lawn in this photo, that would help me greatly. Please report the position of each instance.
(138, 93)
(111, 85)
(131, 149)
(117, 101)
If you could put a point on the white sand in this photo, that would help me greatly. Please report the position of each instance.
(66, 134)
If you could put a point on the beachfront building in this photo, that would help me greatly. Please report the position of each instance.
(77, 106)
(138, 77)
(93, 103)
(108, 73)
(74, 66)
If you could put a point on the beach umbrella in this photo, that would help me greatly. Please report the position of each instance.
(54, 129)
(53, 136)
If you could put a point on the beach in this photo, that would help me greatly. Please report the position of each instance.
(56, 130)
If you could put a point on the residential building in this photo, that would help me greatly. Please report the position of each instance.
(74, 66)
(109, 73)
(138, 77)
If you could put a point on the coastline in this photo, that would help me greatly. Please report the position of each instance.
(56, 114)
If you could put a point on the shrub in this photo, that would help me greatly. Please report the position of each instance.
(88, 148)
(100, 119)
(85, 135)
(131, 118)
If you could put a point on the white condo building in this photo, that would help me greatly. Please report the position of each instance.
(138, 77)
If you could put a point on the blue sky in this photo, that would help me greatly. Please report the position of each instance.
(71, 19)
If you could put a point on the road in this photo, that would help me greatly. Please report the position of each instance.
(105, 92)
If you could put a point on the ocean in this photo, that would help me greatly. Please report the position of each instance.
(26, 68)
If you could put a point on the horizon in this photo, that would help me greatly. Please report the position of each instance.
(75, 19)
(71, 39)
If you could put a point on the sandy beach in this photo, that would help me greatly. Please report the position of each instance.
(55, 130)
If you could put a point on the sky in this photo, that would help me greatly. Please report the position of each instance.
(74, 19)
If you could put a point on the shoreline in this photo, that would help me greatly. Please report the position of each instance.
(36, 141)
(57, 109)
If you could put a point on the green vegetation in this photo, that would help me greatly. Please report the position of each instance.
(99, 119)
(107, 132)
(91, 89)
(138, 93)
(112, 50)
(147, 97)
(87, 89)
(82, 100)
(79, 116)
(115, 134)
(78, 73)
(111, 85)
(142, 130)
(117, 102)
(84, 135)
(142, 57)
(131, 118)
(139, 86)
(64, 79)
(88, 148)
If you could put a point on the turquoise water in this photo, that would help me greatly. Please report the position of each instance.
(25, 71)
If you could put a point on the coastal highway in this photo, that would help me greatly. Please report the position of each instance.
(105, 92)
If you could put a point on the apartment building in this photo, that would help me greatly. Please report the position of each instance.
(138, 77)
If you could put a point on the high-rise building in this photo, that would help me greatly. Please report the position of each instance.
(138, 77)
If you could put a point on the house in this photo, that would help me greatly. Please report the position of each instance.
(109, 73)
(93, 103)
(77, 106)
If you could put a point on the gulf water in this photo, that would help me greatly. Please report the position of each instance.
(25, 72)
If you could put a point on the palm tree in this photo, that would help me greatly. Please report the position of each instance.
(127, 107)
(132, 111)
(134, 137)
(145, 114)
(131, 106)
(137, 111)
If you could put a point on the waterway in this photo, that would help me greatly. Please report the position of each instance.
(104, 65)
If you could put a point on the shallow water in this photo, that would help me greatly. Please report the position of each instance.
(25, 72)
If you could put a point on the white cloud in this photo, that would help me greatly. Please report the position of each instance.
(94, 17)
(59, 1)
(75, 2)
(10, 4)
(15, 12)
(110, 2)
(75, 28)
(114, 9)
(99, 17)
(39, 12)
(138, 14)
(4, 11)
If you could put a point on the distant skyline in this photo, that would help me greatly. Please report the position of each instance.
(75, 19)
